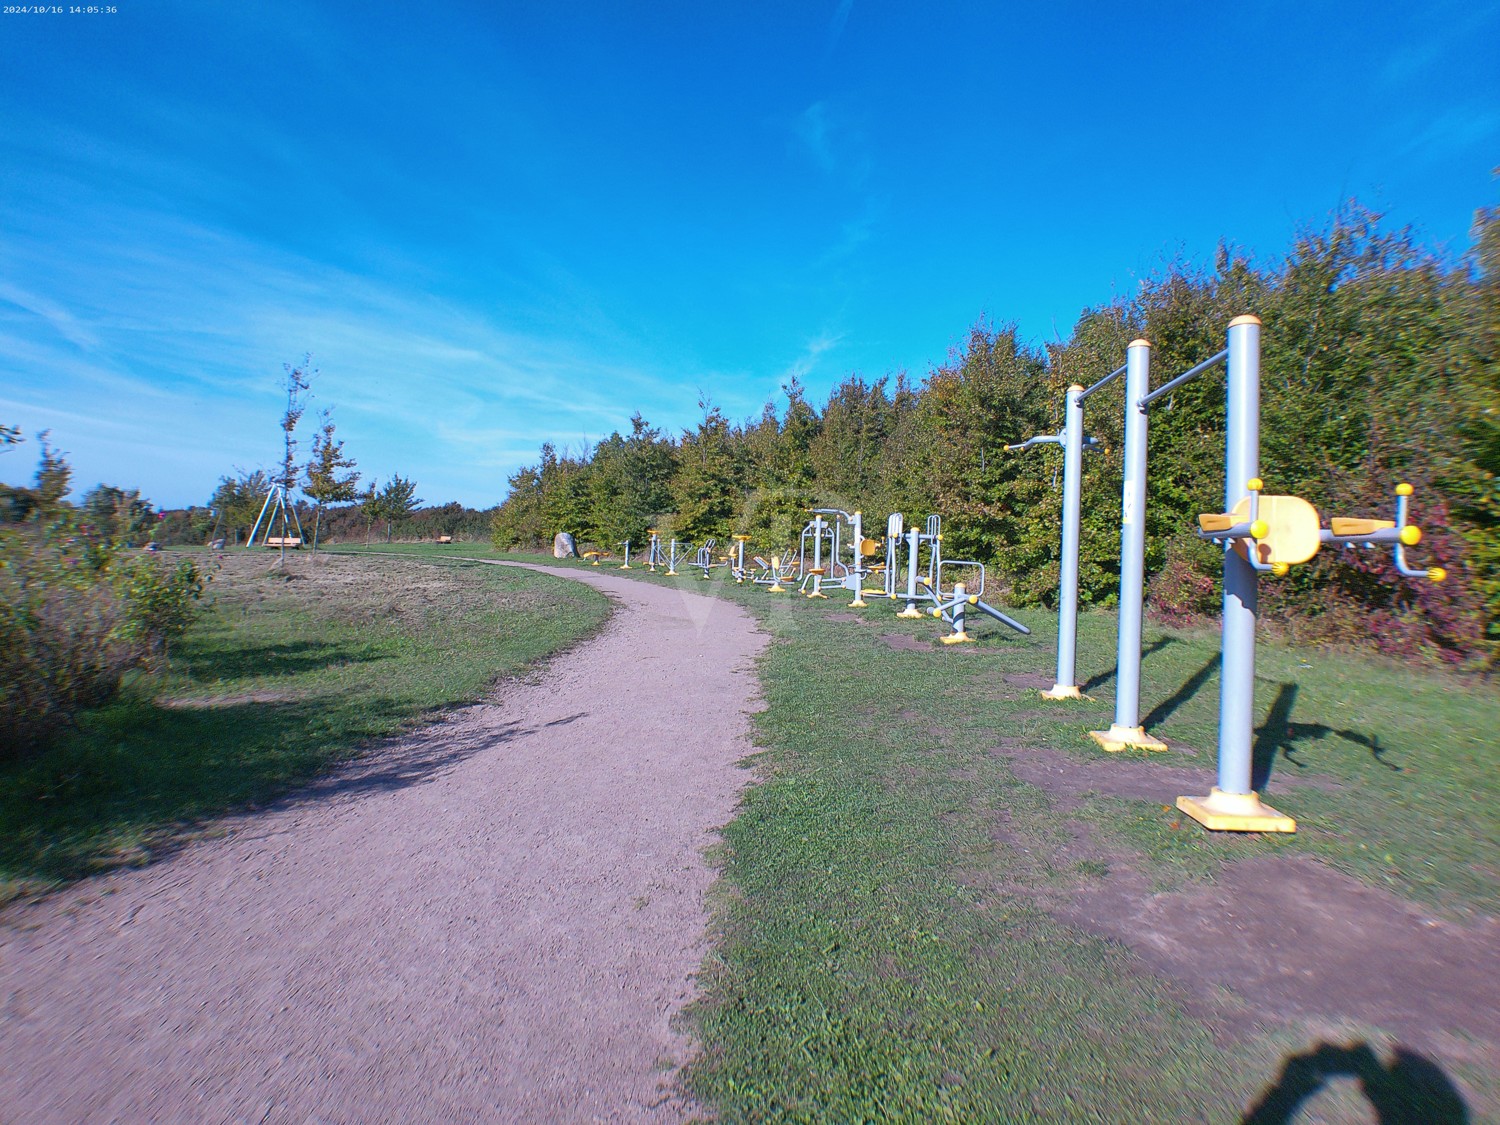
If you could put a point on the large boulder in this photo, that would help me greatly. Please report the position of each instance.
(563, 546)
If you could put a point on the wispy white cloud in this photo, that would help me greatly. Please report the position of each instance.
(170, 342)
(813, 129)
(57, 318)
(1444, 28)
(806, 363)
(836, 25)
(1454, 132)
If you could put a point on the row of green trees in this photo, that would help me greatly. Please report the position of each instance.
(238, 499)
(1381, 363)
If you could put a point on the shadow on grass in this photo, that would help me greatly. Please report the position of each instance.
(1101, 678)
(1280, 734)
(131, 787)
(127, 784)
(1412, 1090)
(1192, 687)
(271, 659)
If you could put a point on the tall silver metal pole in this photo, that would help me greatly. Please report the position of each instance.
(1126, 730)
(858, 520)
(1066, 686)
(1232, 805)
(913, 544)
(1241, 582)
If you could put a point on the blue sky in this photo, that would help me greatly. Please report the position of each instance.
(494, 224)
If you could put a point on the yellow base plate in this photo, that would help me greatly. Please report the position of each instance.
(912, 613)
(858, 603)
(957, 639)
(1116, 739)
(1063, 691)
(1235, 812)
(824, 596)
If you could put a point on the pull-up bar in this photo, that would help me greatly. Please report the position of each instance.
(1191, 373)
(1110, 378)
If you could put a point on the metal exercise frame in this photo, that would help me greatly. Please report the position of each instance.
(1074, 442)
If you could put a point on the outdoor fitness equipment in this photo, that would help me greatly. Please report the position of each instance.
(1397, 534)
(667, 559)
(947, 605)
(704, 557)
(950, 607)
(626, 545)
(890, 570)
(1259, 534)
(933, 537)
(818, 530)
(738, 567)
(1074, 442)
(844, 575)
(1126, 729)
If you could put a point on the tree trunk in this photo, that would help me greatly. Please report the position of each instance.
(317, 523)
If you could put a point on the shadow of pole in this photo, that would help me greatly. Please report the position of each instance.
(1192, 687)
(1280, 734)
(1411, 1090)
(1108, 674)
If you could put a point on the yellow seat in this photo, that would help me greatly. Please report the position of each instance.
(1341, 526)
(1292, 533)
(1216, 521)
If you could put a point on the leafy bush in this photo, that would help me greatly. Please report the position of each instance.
(75, 616)
(161, 598)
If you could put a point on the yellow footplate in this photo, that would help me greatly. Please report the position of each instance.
(1235, 812)
(1116, 739)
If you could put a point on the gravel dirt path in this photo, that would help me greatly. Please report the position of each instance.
(494, 919)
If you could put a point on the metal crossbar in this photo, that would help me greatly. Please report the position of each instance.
(1192, 372)
(1110, 378)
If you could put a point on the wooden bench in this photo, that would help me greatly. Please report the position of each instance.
(445, 539)
(292, 541)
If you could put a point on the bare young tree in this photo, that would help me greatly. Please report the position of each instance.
(298, 380)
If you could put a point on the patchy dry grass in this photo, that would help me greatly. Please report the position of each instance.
(289, 672)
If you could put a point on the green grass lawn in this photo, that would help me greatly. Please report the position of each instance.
(879, 953)
(285, 674)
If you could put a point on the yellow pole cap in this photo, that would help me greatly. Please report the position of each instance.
(973, 599)
(1411, 535)
(1255, 484)
(1246, 319)
(1139, 343)
(1076, 388)
(1280, 570)
(937, 613)
(1260, 529)
(1404, 489)
(1437, 574)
